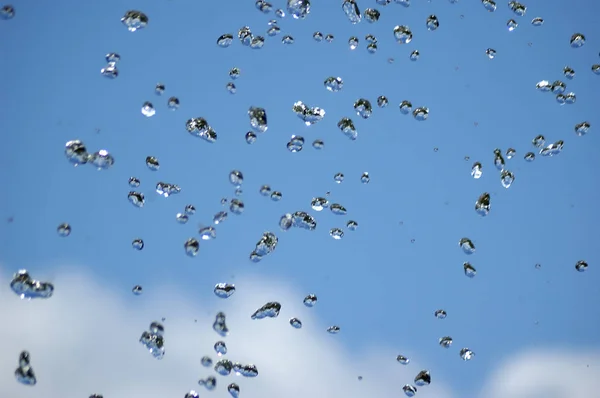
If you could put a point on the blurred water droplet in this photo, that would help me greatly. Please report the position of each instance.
(24, 372)
(577, 40)
(338, 209)
(596, 69)
(552, 149)
(265, 190)
(191, 394)
(489, 5)
(338, 177)
(365, 178)
(329, 38)
(491, 53)
(153, 340)
(298, 9)
(401, 359)
(537, 21)
(63, 230)
(206, 361)
(219, 217)
(440, 314)
(352, 225)
(165, 189)
(581, 266)
(190, 210)
(445, 342)
(192, 247)
(529, 157)
(137, 244)
(405, 107)
(137, 290)
(582, 128)
(220, 324)
(209, 383)
(287, 39)
(333, 329)
(7, 12)
(511, 25)
(470, 271)
(309, 115)
(207, 233)
(336, 233)
(466, 354)
(318, 144)
(517, 8)
(134, 20)
(363, 108)
(295, 144)
(414, 56)
(382, 101)
(230, 87)
(250, 137)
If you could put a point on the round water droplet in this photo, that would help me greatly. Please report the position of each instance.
(159, 89)
(338, 177)
(136, 198)
(207, 233)
(511, 25)
(137, 244)
(137, 290)
(382, 101)
(582, 128)
(491, 53)
(234, 73)
(334, 84)
(190, 210)
(581, 266)
(192, 247)
(265, 190)
(409, 390)
(353, 43)
(405, 107)
(365, 178)
(225, 40)
(63, 230)
(336, 233)
(470, 271)
(445, 342)
(152, 163)
(421, 113)
(206, 361)
(414, 56)
(295, 144)
(173, 103)
(467, 246)
(134, 20)
(403, 34)
(352, 225)
(181, 218)
(440, 314)
(250, 137)
(318, 144)
(236, 178)
(148, 109)
(7, 12)
(466, 354)
(432, 23)
(329, 38)
(276, 196)
(134, 182)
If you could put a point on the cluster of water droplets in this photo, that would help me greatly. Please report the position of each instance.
(154, 341)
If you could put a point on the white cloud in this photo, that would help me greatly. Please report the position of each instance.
(84, 340)
(549, 373)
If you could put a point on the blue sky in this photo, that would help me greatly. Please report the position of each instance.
(375, 283)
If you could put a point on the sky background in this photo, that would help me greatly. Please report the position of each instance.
(530, 328)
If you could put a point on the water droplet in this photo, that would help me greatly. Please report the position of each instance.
(280, 13)
(136, 198)
(498, 159)
(517, 8)
(329, 38)
(347, 127)
(489, 5)
(310, 300)
(445, 342)
(102, 160)
(336, 233)
(409, 390)
(596, 69)
(334, 84)
(28, 288)
(333, 329)
(537, 21)
(319, 203)
(224, 290)
(148, 109)
(491, 53)
(507, 178)
(234, 389)
(250, 137)
(402, 360)
(220, 348)
(258, 119)
(318, 144)
(165, 189)
(421, 113)
(24, 372)
(236, 178)
(236, 206)
(569, 72)
(405, 107)
(338, 209)
(365, 178)
(382, 101)
(582, 128)
(538, 141)
(265, 190)
(581, 266)
(440, 314)
(153, 340)
(190, 210)
(317, 36)
(577, 40)
(423, 378)
(181, 218)
(224, 367)
(414, 56)
(372, 15)
(206, 361)
(207, 233)
(76, 152)
(470, 271)
(276, 196)
(351, 10)
(63, 230)
(363, 108)
(432, 23)
(543, 85)
(137, 290)
(529, 157)
(134, 20)
(220, 324)
(210, 383)
(511, 25)
(467, 245)
(466, 354)
(269, 310)
(134, 182)
(309, 115)
(353, 42)
(7, 12)
(295, 144)
(403, 34)
(231, 88)
(137, 244)
(152, 163)
(296, 323)
(338, 177)
(298, 9)
(225, 40)
(352, 225)
(191, 394)
(482, 205)
(192, 247)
